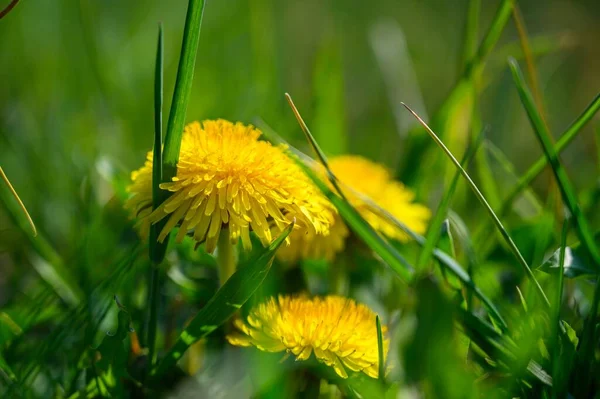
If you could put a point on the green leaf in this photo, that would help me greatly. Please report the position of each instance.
(488, 208)
(158, 249)
(228, 300)
(183, 87)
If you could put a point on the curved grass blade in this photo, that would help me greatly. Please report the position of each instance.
(483, 201)
(377, 243)
(21, 205)
(356, 222)
(566, 188)
(363, 229)
(435, 226)
(229, 299)
(183, 87)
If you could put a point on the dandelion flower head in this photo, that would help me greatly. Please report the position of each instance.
(226, 177)
(362, 178)
(341, 333)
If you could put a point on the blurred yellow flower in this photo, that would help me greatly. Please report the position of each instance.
(341, 333)
(226, 177)
(361, 178)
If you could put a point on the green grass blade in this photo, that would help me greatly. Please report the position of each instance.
(471, 31)
(455, 102)
(491, 38)
(490, 211)
(566, 188)
(363, 229)
(157, 249)
(18, 199)
(350, 215)
(229, 299)
(48, 263)
(435, 226)
(183, 87)
(567, 137)
(377, 243)
(581, 226)
(380, 350)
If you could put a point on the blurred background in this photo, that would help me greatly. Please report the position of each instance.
(76, 86)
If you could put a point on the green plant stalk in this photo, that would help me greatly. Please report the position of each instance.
(566, 188)
(183, 87)
(225, 257)
(154, 298)
(157, 249)
(490, 211)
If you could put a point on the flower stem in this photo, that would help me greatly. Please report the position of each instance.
(225, 257)
(153, 301)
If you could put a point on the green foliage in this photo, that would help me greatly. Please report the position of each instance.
(499, 298)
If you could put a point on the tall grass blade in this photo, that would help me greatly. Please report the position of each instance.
(183, 87)
(157, 249)
(377, 243)
(567, 137)
(356, 222)
(490, 211)
(226, 301)
(581, 226)
(363, 229)
(566, 188)
(435, 226)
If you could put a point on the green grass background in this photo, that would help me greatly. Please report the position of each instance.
(76, 116)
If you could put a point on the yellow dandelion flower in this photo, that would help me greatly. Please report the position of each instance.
(341, 333)
(226, 177)
(361, 178)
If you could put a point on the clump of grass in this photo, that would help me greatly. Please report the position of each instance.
(447, 313)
